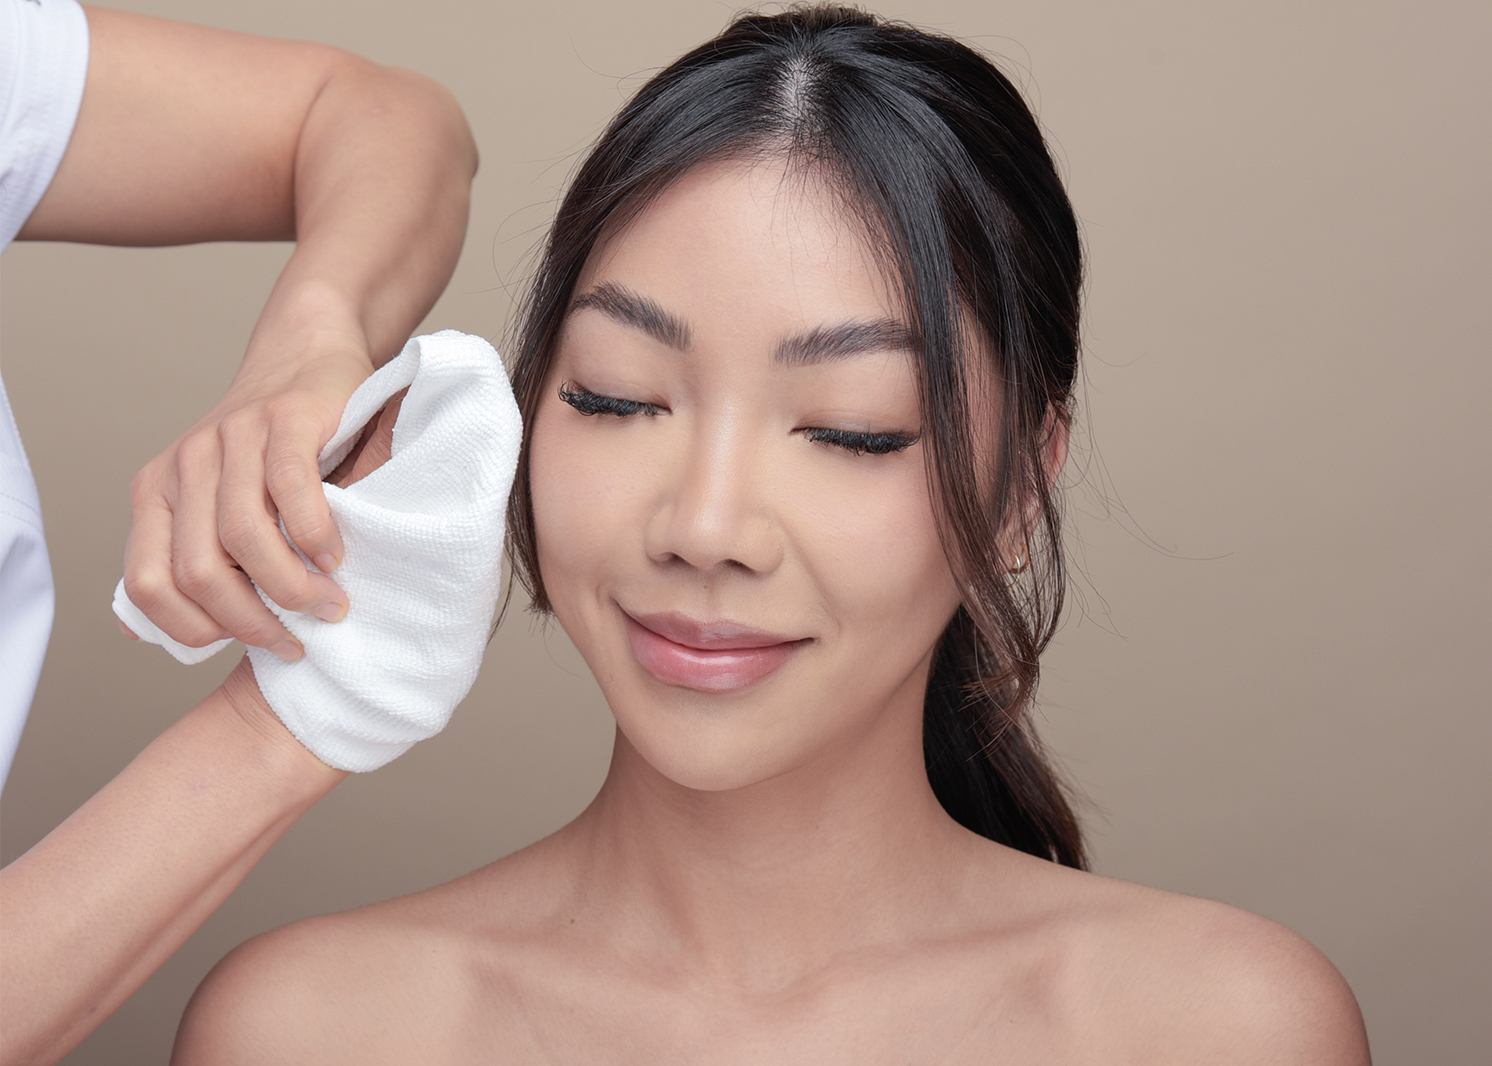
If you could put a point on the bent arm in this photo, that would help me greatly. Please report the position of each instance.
(189, 134)
(93, 909)
(96, 906)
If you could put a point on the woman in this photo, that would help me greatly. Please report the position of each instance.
(796, 374)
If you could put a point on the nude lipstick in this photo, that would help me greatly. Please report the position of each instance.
(719, 656)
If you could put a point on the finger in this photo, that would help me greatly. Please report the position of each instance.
(127, 631)
(248, 529)
(204, 573)
(148, 578)
(293, 478)
(374, 448)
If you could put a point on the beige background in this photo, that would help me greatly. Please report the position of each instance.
(1273, 687)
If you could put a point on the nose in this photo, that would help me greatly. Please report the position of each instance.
(716, 512)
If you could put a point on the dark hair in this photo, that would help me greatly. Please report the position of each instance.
(936, 153)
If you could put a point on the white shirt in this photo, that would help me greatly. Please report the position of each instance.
(43, 64)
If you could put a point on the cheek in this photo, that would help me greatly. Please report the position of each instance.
(875, 553)
(576, 494)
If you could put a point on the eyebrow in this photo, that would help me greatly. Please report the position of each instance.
(827, 344)
(630, 309)
(823, 344)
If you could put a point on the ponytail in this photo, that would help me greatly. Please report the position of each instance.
(987, 769)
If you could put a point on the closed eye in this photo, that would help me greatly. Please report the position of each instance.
(593, 403)
(863, 443)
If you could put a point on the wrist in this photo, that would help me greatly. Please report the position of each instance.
(308, 327)
(292, 772)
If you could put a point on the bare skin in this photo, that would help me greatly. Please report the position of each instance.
(179, 828)
(190, 134)
(765, 875)
(1029, 963)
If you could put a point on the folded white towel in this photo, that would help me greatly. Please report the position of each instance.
(423, 563)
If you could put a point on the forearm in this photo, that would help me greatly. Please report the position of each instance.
(95, 907)
(189, 134)
(381, 188)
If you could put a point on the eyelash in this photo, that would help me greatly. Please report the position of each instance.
(592, 403)
(863, 443)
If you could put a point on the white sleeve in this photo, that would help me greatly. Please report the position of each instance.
(43, 64)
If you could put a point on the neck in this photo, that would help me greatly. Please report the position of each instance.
(759, 885)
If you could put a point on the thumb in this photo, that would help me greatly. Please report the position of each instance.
(373, 448)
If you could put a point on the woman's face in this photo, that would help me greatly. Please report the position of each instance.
(734, 521)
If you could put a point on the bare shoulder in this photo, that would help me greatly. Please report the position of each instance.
(409, 980)
(320, 990)
(1160, 978)
(1239, 988)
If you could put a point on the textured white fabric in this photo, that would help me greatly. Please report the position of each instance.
(422, 568)
(26, 596)
(43, 64)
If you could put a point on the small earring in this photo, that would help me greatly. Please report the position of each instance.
(1022, 564)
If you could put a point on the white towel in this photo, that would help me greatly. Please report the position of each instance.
(423, 563)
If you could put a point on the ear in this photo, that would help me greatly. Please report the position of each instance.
(1056, 431)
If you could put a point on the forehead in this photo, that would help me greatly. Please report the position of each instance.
(736, 240)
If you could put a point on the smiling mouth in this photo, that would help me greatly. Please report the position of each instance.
(721, 656)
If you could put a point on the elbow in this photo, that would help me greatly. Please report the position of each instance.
(421, 113)
(442, 116)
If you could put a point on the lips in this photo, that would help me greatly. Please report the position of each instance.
(720, 656)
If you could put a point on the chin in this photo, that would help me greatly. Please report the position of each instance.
(710, 743)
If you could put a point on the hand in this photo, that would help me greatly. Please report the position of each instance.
(207, 510)
(372, 450)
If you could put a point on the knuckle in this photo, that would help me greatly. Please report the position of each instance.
(259, 628)
(245, 423)
(292, 591)
(198, 634)
(196, 451)
(146, 586)
(194, 572)
(287, 472)
(143, 487)
(287, 407)
(280, 409)
(238, 531)
(305, 521)
(294, 599)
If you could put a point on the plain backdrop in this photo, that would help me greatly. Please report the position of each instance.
(1271, 687)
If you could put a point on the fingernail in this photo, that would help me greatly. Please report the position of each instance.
(331, 612)
(288, 650)
(326, 562)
